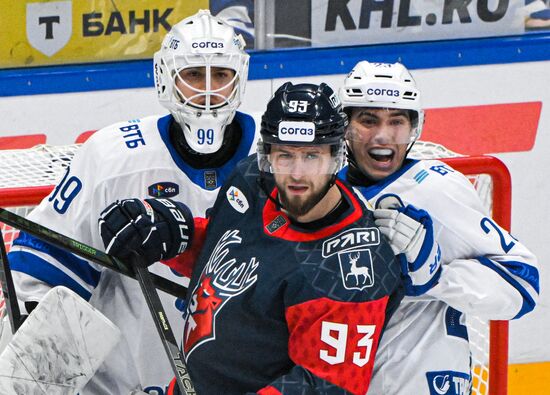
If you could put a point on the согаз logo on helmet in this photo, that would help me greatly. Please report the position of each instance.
(383, 92)
(296, 131)
(207, 44)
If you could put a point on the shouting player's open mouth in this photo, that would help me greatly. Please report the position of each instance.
(381, 157)
(381, 154)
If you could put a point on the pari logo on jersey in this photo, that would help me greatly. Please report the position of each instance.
(163, 189)
(237, 200)
(448, 382)
(292, 131)
(222, 279)
(49, 25)
(353, 255)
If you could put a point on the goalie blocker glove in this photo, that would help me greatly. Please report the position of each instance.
(410, 233)
(156, 229)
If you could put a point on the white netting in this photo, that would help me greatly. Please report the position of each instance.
(43, 165)
(40, 165)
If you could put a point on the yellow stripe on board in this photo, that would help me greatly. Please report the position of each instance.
(529, 379)
(49, 32)
(523, 379)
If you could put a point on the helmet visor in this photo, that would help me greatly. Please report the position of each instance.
(298, 160)
(381, 126)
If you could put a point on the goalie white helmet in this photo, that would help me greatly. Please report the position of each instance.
(384, 85)
(202, 110)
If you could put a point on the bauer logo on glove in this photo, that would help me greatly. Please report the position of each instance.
(153, 228)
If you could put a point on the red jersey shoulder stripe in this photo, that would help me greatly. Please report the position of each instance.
(286, 232)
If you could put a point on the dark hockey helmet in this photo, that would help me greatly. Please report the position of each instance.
(305, 115)
(317, 104)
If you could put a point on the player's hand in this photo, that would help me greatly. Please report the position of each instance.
(410, 233)
(153, 228)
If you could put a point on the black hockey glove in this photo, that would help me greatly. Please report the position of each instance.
(153, 228)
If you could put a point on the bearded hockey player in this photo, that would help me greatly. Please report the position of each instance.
(200, 76)
(470, 265)
(294, 283)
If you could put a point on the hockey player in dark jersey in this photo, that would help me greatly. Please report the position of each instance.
(294, 283)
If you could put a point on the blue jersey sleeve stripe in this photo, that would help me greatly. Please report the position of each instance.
(78, 266)
(528, 302)
(38, 268)
(524, 271)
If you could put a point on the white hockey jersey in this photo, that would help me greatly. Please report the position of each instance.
(485, 272)
(124, 160)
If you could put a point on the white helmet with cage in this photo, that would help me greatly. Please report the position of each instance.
(384, 85)
(201, 40)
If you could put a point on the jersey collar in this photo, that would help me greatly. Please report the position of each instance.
(277, 224)
(203, 177)
(374, 189)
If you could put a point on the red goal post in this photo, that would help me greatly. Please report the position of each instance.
(488, 340)
(501, 197)
(27, 176)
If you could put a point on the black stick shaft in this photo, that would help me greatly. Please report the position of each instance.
(85, 251)
(8, 289)
(164, 329)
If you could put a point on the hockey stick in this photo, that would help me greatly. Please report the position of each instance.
(148, 283)
(8, 288)
(85, 251)
(164, 330)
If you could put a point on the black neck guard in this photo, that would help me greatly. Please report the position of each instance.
(231, 139)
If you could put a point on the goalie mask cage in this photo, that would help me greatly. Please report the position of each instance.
(29, 175)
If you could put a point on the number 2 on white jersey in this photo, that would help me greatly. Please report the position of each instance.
(339, 343)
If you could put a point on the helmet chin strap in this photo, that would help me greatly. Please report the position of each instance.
(408, 150)
(329, 185)
(261, 180)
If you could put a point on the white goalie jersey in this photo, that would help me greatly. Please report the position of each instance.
(485, 272)
(133, 159)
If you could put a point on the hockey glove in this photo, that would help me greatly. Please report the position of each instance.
(410, 233)
(153, 228)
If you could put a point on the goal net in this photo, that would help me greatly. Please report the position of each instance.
(27, 176)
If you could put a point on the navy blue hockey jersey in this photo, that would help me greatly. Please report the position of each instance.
(277, 309)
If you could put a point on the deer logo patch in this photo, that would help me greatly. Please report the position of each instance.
(356, 269)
